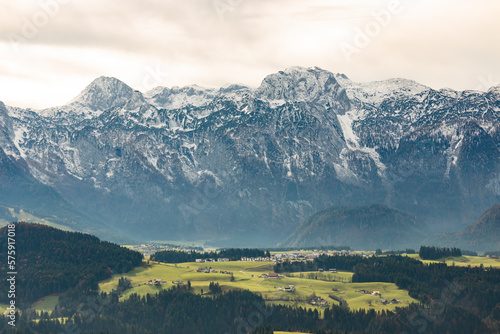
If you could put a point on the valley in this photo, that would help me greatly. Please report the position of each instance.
(72, 277)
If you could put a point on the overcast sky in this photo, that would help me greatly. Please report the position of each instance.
(51, 49)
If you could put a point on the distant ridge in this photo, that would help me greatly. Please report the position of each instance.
(483, 235)
(363, 228)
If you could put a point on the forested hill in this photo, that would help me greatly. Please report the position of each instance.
(363, 227)
(49, 260)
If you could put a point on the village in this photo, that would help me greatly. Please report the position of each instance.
(296, 256)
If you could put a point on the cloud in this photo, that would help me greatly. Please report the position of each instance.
(445, 43)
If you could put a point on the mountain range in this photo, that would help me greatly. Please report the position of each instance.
(246, 166)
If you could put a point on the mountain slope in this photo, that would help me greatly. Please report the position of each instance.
(480, 236)
(365, 227)
(239, 165)
(484, 232)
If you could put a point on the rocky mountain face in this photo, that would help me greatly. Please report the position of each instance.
(243, 166)
(363, 227)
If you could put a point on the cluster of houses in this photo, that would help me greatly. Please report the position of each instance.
(206, 270)
(156, 282)
(272, 275)
(305, 257)
(160, 282)
(382, 300)
(319, 301)
(212, 271)
(149, 249)
(387, 301)
(259, 259)
(373, 293)
(212, 260)
(302, 255)
(289, 288)
(332, 270)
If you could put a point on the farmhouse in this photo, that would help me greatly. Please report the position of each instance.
(289, 288)
(272, 275)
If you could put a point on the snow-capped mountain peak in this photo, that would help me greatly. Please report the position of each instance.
(103, 93)
(298, 84)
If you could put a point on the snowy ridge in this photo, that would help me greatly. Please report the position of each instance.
(377, 91)
(305, 138)
(178, 97)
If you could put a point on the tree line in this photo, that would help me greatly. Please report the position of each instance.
(179, 311)
(435, 253)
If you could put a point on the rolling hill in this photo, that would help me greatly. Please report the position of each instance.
(482, 235)
(364, 227)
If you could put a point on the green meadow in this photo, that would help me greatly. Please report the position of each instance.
(247, 276)
(46, 304)
(463, 261)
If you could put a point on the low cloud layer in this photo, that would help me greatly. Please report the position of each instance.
(51, 49)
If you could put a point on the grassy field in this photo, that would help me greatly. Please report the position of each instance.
(247, 276)
(473, 261)
(3, 307)
(46, 304)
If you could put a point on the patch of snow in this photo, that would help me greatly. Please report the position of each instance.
(452, 153)
(19, 135)
(352, 141)
(346, 175)
(494, 185)
(346, 121)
